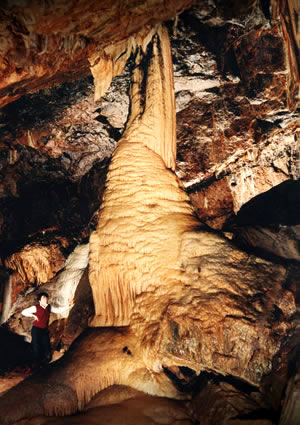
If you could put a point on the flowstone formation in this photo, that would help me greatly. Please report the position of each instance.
(173, 294)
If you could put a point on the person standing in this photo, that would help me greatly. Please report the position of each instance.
(40, 342)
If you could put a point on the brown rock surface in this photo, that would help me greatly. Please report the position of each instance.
(194, 302)
(224, 403)
(164, 296)
(43, 45)
(37, 263)
(133, 408)
(10, 381)
(291, 407)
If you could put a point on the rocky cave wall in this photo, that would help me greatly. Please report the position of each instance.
(236, 80)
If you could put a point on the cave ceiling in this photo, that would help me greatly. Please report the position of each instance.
(65, 95)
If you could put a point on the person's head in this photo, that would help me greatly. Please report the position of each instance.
(43, 297)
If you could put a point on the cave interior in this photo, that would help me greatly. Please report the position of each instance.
(149, 183)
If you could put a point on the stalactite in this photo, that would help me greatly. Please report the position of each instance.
(108, 64)
(153, 116)
(37, 263)
(68, 280)
(6, 300)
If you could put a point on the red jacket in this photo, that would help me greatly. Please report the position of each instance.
(43, 315)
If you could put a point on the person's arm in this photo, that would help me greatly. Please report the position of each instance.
(29, 312)
(61, 309)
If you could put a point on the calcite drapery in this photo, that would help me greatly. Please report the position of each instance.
(133, 233)
(175, 284)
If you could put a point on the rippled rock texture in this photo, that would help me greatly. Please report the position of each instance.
(191, 259)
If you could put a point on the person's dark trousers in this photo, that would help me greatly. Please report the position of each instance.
(41, 348)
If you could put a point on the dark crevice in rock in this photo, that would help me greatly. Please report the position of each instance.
(48, 105)
(187, 380)
(43, 207)
(263, 128)
(235, 382)
(114, 133)
(198, 186)
(259, 414)
(265, 7)
(281, 204)
(263, 253)
(230, 64)
(183, 378)
(15, 352)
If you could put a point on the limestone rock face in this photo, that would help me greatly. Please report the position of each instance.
(35, 263)
(241, 148)
(41, 45)
(168, 221)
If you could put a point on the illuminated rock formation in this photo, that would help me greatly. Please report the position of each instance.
(180, 295)
(187, 313)
(32, 36)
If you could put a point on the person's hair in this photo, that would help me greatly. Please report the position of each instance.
(42, 294)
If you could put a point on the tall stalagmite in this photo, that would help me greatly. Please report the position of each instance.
(139, 216)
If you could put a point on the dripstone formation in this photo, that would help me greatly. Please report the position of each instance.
(150, 184)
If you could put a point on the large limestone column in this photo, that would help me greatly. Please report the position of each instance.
(189, 295)
(143, 210)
